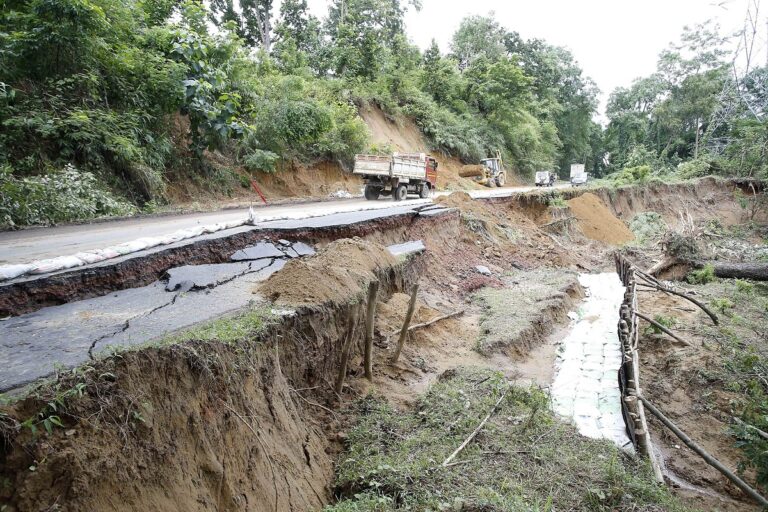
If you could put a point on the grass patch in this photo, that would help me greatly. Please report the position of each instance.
(524, 459)
(242, 326)
(666, 321)
(511, 311)
(701, 276)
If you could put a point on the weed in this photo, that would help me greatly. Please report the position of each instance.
(525, 458)
(234, 329)
(48, 417)
(556, 200)
(701, 276)
(745, 287)
(723, 305)
(666, 321)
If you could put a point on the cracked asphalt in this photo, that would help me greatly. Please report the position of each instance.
(34, 345)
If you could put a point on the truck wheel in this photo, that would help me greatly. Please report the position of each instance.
(372, 193)
(400, 193)
(424, 192)
(501, 180)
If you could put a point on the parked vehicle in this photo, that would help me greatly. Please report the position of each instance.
(490, 172)
(578, 175)
(546, 179)
(397, 175)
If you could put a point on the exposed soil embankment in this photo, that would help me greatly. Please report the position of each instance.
(239, 421)
(706, 198)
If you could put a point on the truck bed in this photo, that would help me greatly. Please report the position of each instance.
(373, 165)
(409, 165)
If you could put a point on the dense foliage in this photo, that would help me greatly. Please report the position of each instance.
(702, 112)
(135, 95)
(141, 94)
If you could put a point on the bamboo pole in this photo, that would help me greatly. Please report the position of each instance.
(657, 286)
(741, 484)
(406, 323)
(663, 329)
(433, 321)
(370, 315)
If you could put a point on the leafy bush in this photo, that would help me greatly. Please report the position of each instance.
(666, 321)
(723, 305)
(694, 168)
(701, 276)
(61, 196)
(744, 286)
(647, 226)
(631, 175)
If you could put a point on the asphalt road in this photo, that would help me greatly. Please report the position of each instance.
(40, 243)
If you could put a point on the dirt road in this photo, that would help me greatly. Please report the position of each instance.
(40, 243)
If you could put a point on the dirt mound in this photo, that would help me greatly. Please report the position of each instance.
(597, 221)
(336, 273)
(455, 199)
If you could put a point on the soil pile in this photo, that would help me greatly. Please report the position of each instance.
(339, 271)
(597, 222)
(454, 200)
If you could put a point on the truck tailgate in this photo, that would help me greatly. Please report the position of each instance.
(372, 165)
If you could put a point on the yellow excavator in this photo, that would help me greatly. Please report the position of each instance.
(490, 172)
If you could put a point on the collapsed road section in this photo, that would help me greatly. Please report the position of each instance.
(357, 377)
(29, 293)
(36, 344)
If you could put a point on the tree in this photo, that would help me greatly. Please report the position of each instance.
(668, 113)
(478, 36)
(252, 19)
(298, 41)
(365, 35)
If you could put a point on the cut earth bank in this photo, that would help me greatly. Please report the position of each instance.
(241, 413)
(293, 181)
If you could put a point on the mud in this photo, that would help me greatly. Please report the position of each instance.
(195, 426)
(597, 222)
(336, 274)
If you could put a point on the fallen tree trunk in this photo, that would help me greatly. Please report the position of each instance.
(753, 270)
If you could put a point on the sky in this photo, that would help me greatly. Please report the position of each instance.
(614, 41)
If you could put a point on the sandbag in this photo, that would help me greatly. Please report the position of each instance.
(12, 271)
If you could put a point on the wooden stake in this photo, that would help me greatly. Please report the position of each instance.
(370, 315)
(346, 349)
(662, 329)
(406, 323)
(741, 484)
